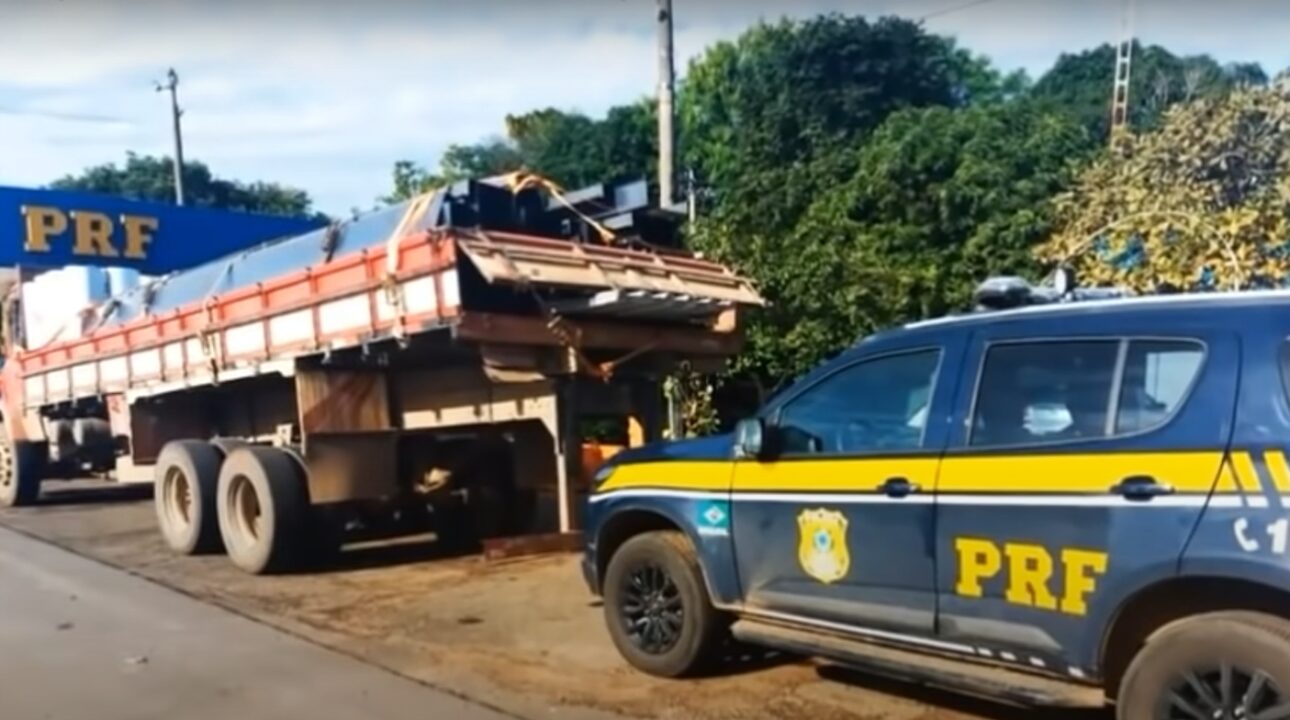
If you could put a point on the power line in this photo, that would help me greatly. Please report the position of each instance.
(954, 8)
(67, 117)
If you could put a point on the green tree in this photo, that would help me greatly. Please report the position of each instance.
(758, 110)
(937, 200)
(779, 95)
(570, 148)
(1201, 203)
(458, 162)
(780, 126)
(1080, 84)
(575, 150)
(1246, 74)
(145, 177)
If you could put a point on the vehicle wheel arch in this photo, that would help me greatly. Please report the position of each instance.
(1161, 604)
(624, 523)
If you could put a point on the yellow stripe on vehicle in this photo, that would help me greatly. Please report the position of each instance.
(671, 475)
(1226, 484)
(833, 475)
(1031, 474)
(1276, 462)
(1076, 473)
(1246, 475)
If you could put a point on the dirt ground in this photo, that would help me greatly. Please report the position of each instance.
(520, 635)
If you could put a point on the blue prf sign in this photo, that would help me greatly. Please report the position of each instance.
(55, 228)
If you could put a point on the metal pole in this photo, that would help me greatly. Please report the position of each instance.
(691, 196)
(172, 84)
(666, 87)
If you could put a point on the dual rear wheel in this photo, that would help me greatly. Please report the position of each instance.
(22, 466)
(251, 501)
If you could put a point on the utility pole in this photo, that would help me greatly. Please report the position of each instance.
(1123, 75)
(666, 88)
(667, 173)
(172, 84)
(691, 196)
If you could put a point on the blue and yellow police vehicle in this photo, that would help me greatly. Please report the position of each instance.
(1064, 503)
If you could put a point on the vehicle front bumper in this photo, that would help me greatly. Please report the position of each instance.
(589, 575)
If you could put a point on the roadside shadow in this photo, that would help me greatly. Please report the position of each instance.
(106, 493)
(738, 659)
(952, 701)
(366, 555)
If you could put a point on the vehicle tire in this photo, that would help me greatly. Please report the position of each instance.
(1180, 671)
(263, 509)
(185, 482)
(657, 607)
(22, 467)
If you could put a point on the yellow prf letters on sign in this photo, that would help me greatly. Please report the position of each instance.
(1030, 569)
(93, 234)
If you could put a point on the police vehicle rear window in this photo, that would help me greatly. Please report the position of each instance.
(1043, 392)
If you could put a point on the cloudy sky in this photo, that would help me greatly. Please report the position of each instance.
(326, 95)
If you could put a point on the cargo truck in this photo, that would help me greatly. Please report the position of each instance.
(438, 363)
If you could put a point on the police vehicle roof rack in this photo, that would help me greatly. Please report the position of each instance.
(1008, 292)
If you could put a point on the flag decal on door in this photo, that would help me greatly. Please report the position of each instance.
(822, 544)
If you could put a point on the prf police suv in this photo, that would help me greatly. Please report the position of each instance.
(1060, 504)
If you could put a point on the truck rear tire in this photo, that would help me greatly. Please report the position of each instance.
(185, 483)
(1221, 665)
(22, 467)
(657, 606)
(263, 509)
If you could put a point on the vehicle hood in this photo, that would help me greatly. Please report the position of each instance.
(716, 447)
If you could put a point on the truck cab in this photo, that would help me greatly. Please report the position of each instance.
(1059, 504)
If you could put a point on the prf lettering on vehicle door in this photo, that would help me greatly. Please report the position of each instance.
(1029, 572)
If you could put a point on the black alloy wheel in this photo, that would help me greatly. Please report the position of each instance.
(1224, 665)
(651, 608)
(657, 608)
(1225, 692)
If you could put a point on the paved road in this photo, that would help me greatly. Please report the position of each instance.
(81, 640)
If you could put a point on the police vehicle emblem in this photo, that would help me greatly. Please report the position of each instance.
(822, 544)
(714, 518)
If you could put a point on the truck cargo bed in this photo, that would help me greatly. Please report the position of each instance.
(392, 274)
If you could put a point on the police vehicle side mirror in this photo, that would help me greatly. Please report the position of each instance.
(750, 439)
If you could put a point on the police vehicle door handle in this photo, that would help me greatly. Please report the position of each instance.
(1142, 487)
(899, 487)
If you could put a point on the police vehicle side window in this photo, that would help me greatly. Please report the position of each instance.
(873, 406)
(1157, 376)
(1058, 391)
(1044, 392)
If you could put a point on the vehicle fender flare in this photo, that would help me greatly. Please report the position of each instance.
(1258, 569)
(663, 510)
(1232, 583)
